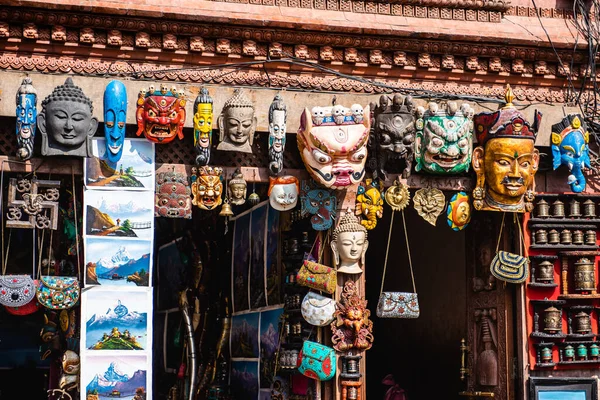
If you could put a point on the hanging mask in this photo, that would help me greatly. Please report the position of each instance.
(160, 114)
(115, 119)
(203, 115)
(277, 131)
(429, 203)
(333, 144)
(237, 124)
(283, 192)
(26, 119)
(369, 202)
(172, 197)
(397, 196)
(570, 147)
(320, 204)
(444, 141)
(458, 213)
(208, 188)
(237, 188)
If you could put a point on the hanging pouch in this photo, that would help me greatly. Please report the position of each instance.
(316, 361)
(509, 267)
(317, 309)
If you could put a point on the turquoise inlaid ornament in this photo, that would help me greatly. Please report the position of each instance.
(458, 213)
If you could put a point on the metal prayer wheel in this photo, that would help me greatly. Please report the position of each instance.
(352, 393)
(590, 237)
(582, 352)
(584, 276)
(582, 323)
(546, 354)
(552, 320)
(594, 351)
(543, 209)
(545, 272)
(558, 209)
(350, 367)
(541, 236)
(569, 352)
(293, 246)
(553, 237)
(574, 208)
(589, 208)
(577, 237)
(566, 237)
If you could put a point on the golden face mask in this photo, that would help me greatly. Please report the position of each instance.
(208, 188)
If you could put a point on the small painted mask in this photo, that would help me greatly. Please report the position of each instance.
(506, 159)
(115, 119)
(160, 114)
(283, 192)
(203, 115)
(570, 147)
(277, 131)
(444, 138)
(208, 188)
(26, 119)
(172, 197)
(458, 213)
(369, 202)
(320, 204)
(237, 124)
(237, 188)
(393, 134)
(333, 146)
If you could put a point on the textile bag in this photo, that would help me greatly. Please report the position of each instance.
(316, 361)
(510, 267)
(317, 310)
(317, 276)
(398, 304)
(58, 292)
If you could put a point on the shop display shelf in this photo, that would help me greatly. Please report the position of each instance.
(577, 296)
(551, 222)
(579, 362)
(563, 247)
(543, 335)
(542, 285)
(580, 336)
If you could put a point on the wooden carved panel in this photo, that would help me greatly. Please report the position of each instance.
(32, 204)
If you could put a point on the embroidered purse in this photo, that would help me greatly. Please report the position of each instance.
(16, 290)
(317, 276)
(58, 292)
(316, 361)
(398, 304)
(509, 267)
(317, 309)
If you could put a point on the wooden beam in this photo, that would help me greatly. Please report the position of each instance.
(48, 165)
(251, 174)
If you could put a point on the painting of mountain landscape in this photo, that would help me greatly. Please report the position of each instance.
(244, 380)
(118, 262)
(269, 342)
(115, 320)
(118, 214)
(115, 377)
(244, 335)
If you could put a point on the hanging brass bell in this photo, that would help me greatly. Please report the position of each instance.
(226, 210)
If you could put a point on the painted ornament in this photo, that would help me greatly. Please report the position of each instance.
(172, 196)
(283, 192)
(429, 203)
(369, 203)
(570, 147)
(352, 328)
(26, 118)
(203, 115)
(397, 196)
(66, 122)
(115, 119)
(320, 204)
(236, 188)
(207, 189)
(237, 124)
(444, 138)
(349, 244)
(333, 144)
(277, 131)
(160, 114)
(505, 160)
(458, 213)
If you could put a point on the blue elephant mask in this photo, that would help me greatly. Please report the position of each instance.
(320, 204)
(26, 119)
(115, 115)
(570, 139)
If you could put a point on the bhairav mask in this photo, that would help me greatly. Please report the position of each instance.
(237, 188)
(207, 188)
(333, 145)
(115, 118)
(444, 138)
(458, 213)
(320, 204)
(66, 122)
(369, 202)
(160, 114)
(393, 133)
(172, 196)
(570, 139)
(277, 130)
(506, 160)
(26, 118)
(349, 244)
(203, 115)
(283, 192)
(237, 124)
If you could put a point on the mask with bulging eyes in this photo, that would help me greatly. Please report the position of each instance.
(283, 192)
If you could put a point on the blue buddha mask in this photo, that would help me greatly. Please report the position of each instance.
(570, 139)
(115, 115)
(26, 118)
